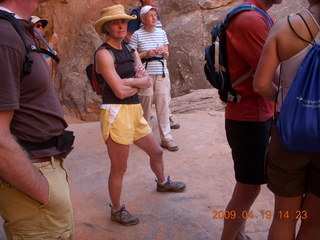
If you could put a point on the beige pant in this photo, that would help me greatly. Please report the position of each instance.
(159, 94)
(25, 218)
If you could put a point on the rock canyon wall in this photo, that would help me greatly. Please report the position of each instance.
(187, 22)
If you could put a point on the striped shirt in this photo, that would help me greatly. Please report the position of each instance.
(143, 40)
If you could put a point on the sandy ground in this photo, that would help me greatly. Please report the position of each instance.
(203, 162)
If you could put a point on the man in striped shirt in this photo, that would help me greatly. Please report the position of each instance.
(152, 45)
(136, 24)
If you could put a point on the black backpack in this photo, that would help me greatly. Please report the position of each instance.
(27, 65)
(216, 68)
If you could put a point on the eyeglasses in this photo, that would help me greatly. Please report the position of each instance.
(38, 25)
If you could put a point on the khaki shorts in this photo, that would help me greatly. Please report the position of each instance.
(291, 174)
(123, 122)
(25, 218)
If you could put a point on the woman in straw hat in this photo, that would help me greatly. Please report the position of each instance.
(122, 121)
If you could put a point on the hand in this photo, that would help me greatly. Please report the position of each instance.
(127, 81)
(151, 53)
(160, 50)
(140, 72)
(53, 39)
(40, 190)
(43, 197)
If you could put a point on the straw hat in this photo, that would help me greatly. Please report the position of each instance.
(111, 13)
(36, 19)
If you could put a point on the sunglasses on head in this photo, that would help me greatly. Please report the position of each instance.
(38, 25)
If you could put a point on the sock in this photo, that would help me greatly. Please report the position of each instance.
(162, 183)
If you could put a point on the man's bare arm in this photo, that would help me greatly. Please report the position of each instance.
(16, 168)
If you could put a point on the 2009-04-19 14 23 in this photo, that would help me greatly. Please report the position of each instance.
(263, 214)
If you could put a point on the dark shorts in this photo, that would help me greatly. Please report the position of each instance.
(291, 174)
(248, 142)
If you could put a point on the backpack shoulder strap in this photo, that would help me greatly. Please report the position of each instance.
(29, 48)
(27, 66)
(242, 8)
(107, 47)
(289, 22)
(15, 23)
(248, 7)
(132, 51)
(103, 46)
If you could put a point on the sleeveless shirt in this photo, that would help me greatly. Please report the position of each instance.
(124, 65)
(290, 67)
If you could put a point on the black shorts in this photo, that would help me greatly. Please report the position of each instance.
(248, 142)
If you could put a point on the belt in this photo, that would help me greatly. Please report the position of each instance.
(150, 59)
(39, 160)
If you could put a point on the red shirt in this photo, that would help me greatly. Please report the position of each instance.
(246, 34)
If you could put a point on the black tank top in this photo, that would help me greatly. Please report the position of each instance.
(124, 64)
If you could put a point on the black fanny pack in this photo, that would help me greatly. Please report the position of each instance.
(62, 142)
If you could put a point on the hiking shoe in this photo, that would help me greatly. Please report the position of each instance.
(173, 125)
(169, 145)
(171, 186)
(123, 217)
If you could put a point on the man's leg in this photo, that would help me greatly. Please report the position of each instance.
(173, 124)
(146, 99)
(146, 103)
(162, 100)
(248, 141)
(241, 201)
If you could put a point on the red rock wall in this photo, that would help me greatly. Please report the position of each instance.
(187, 22)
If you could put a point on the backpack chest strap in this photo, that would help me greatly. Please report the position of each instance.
(151, 59)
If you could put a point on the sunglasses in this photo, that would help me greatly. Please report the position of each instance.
(38, 25)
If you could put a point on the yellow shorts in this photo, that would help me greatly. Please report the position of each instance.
(123, 122)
